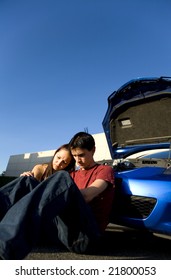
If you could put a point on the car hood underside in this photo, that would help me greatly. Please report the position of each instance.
(139, 113)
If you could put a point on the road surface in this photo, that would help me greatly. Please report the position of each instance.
(118, 244)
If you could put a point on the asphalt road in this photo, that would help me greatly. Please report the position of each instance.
(118, 244)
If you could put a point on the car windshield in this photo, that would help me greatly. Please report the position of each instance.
(150, 158)
(157, 153)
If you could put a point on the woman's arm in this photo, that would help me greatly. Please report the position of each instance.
(36, 172)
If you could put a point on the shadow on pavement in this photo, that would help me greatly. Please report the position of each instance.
(118, 243)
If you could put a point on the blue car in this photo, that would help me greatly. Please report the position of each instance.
(137, 126)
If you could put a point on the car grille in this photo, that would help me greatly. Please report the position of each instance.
(135, 206)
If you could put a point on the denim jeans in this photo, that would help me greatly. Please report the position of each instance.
(54, 209)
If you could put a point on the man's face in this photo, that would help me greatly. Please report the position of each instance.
(83, 157)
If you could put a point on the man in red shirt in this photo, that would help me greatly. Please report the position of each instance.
(95, 181)
(71, 208)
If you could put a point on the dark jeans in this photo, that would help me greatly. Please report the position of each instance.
(54, 209)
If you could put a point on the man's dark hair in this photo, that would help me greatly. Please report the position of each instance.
(82, 140)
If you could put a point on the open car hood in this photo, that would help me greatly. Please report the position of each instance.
(139, 116)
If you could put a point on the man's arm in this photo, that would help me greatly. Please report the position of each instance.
(97, 187)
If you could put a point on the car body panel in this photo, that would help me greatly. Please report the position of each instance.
(144, 183)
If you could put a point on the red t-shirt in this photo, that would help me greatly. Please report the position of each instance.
(102, 204)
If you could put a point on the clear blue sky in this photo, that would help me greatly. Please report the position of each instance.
(60, 59)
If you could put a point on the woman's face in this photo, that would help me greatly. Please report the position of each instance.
(61, 159)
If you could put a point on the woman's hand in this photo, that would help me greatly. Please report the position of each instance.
(27, 173)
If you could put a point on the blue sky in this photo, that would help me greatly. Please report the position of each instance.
(61, 59)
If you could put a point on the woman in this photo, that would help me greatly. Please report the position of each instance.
(16, 189)
(62, 160)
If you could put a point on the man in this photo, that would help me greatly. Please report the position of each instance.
(95, 181)
(72, 210)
